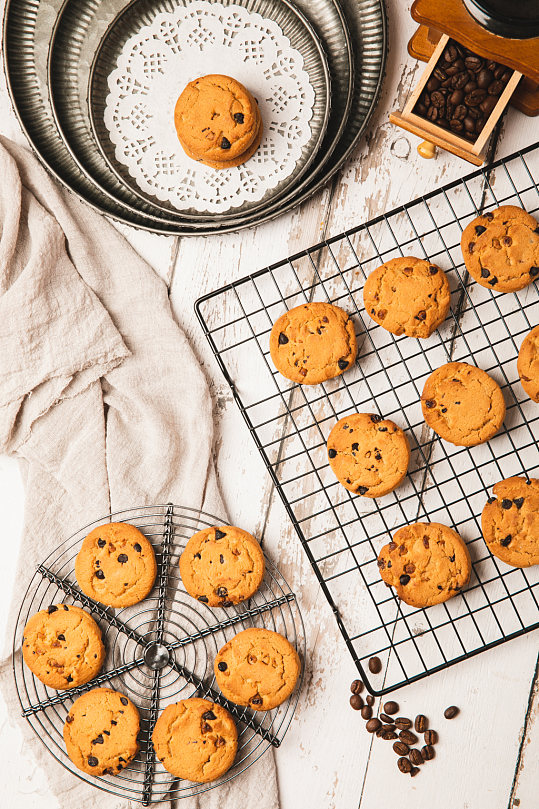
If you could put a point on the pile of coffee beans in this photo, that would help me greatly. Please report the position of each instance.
(462, 91)
(399, 730)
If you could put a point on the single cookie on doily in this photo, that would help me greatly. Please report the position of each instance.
(62, 646)
(407, 296)
(463, 404)
(528, 364)
(222, 565)
(100, 732)
(510, 522)
(217, 121)
(426, 563)
(258, 668)
(116, 565)
(313, 342)
(368, 454)
(195, 739)
(501, 249)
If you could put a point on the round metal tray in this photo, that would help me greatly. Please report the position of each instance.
(127, 23)
(191, 634)
(27, 31)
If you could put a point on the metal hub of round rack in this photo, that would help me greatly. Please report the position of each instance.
(159, 651)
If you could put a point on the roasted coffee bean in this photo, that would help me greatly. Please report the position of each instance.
(488, 105)
(385, 718)
(498, 71)
(459, 81)
(430, 736)
(495, 89)
(356, 686)
(415, 756)
(421, 723)
(356, 702)
(469, 124)
(437, 98)
(408, 737)
(379, 732)
(389, 735)
(432, 114)
(451, 712)
(432, 84)
(460, 112)
(404, 764)
(375, 665)
(388, 727)
(414, 771)
(456, 98)
(420, 109)
(474, 98)
(456, 125)
(366, 712)
(452, 71)
(369, 699)
(428, 752)
(403, 723)
(484, 78)
(373, 725)
(401, 749)
(473, 63)
(506, 75)
(474, 112)
(440, 74)
(450, 53)
(391, 707)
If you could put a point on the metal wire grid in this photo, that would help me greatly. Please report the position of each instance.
(192, 633)
(341, 532)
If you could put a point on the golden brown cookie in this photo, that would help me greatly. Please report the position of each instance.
(216, 118)
(426, 563)
(116, 565)
(62, 646)
(407, 296)
(463, 404)
(100, 732)
(528, 364)
(510, 522)
(501, 249)
(369, 455)
(195, 739)
(312, 343)
(237, 161)
(258, 668)
(222, 565)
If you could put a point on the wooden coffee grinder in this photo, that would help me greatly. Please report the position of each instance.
(502, 31)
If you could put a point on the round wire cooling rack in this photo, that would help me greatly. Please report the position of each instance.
(158, 651)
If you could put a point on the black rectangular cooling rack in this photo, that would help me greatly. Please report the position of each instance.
(340, 532)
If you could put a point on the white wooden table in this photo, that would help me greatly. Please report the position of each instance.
(487, 758)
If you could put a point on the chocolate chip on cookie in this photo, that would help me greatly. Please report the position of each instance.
(463, 404)
(510, 522)
(224, 565)
(369, 455)
(407, 296)
(426, 563)
(501, 249)
(313, 343)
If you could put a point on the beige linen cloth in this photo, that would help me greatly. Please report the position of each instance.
(103, 402)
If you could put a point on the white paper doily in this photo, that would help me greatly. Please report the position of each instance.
(157, 63)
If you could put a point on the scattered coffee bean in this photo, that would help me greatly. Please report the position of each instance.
(356, 702)
(385, 718)
(404, 764)
(414, 771)
(373, 725)
(408, 737)
(389, 735)
(415, 756)
(366, 712)
(430, 736)
(428, 752)
(421, 723)
(451, 712)
(369, 699)
(403, 723)
(388, 727)
(375, 665)
(391, 707)
(356, 686)
(401, 748)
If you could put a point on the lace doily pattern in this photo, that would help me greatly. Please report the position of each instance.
(154, 67)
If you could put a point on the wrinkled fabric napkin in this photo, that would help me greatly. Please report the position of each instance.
(103, 402)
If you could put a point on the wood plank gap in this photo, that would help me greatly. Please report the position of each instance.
(533, 694)
(173, 261)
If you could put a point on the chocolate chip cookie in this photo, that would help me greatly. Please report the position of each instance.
(510, 522)
(62, 646)
(528, 364)
(426, 563)
(100, 732)
(313, 343)
(408, 296)
(222, 565)
(463, 404)
(258, 668)
(116, 565)
(501, 249)
(195, 739)
(236, 161)
(368, 454)
(216, 118)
